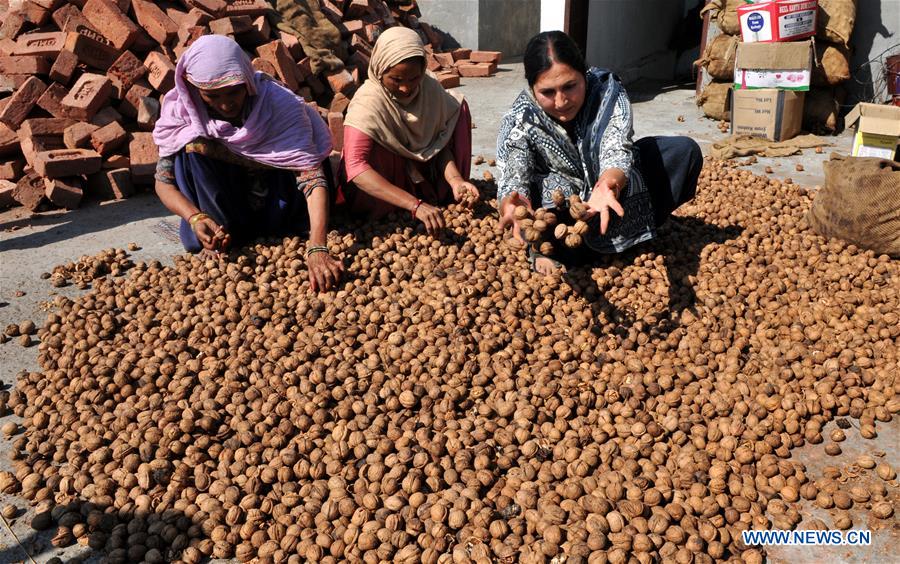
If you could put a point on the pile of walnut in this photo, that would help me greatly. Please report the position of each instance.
(541, 227)
(88, 268)
(447, 404)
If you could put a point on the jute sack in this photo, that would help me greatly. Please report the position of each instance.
(833, 67)
(820, 110)
(860, 203)
(719, 57)
(728, 17)
(714, 100)
(835, 21)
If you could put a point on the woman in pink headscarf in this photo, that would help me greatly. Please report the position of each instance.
(241, 157)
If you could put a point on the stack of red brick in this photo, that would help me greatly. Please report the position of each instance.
(84, 81)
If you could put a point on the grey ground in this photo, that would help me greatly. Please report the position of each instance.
(30, 246)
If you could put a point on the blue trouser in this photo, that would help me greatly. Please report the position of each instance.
(248, 203)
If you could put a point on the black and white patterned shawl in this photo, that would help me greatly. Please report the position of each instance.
(536, 156)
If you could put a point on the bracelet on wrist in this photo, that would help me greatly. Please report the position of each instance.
(196, 218)
(415, 208)
(313, 249)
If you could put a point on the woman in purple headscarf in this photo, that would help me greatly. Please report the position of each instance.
(241, 157)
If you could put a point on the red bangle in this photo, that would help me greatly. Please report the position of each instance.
(415, 208)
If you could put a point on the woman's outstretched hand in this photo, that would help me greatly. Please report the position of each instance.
(211, 235)
(324, 271)
(431, 217)
(465, 193)
(605, 197)
(507, 211)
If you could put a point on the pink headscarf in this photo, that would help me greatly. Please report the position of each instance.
(281, 131)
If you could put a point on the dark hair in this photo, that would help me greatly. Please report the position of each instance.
(550, 47)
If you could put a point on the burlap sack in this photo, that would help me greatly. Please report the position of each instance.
(860, 203)
(719, 57)
(833, 67)
(835, 21)
(714, 100)
(728, 18)
(820, 111)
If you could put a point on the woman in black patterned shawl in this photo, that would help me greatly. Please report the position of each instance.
(571, 131)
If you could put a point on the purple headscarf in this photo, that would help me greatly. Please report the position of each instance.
(281, 130)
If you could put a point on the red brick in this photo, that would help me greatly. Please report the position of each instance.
(78, 135)
(7, 46)
(7, 194)
(360, 60)
(160, 71)
(336, 126)
(357, 9)
(108, 138)
(24, 64)
(66, 162)
(212, 7)
(144, 153)
(109, 20)
(90, 51)
(48, 4)
(262, 65)
(445, 59)
(9, 141)
(148, 113)
(431, 63)
(129, 106)
(143, 43)
(31, 146)
(355, 26)
(341, 81)
(187, 35)
(68, 17)
(277, 54)
(64, 67)
(195, 18)
(304, 69)
(251, 8)
(35, 13)
(434, 38)
(51, 101)
(13, 24)
(12, 82)
(116, 161)
(87, 96)
(29, 191)
(115, 184)
(461, 54)
(106, 116)
(448, 79)
(231, 26)
(42, 127)
(176, 15)
(360, 44)
(259, 33)
(372, 32)
(485, 56)
(64, 192)
(24, 99)
(12, 170)
(474, 69)
(292, 44)
(40, 44)
(124, 72)
(156, 23)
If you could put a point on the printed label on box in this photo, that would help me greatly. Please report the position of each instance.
(796, 24)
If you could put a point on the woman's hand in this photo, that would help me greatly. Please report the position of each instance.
(507, 213)
(605, 197)
(465, 193)
(430, 216)
(211, 235)
(324, 271)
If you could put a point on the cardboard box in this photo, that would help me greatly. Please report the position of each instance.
(771, 113)
(780, 20)
(787, 66)
(878, 132)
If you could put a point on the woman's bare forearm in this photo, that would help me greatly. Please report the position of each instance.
(377, 186)
(174, 200)
(317, 204)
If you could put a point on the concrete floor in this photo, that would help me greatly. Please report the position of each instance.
(30, 246)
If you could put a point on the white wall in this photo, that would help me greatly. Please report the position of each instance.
(553, 15)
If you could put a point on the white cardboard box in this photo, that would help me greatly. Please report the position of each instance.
(878, 132)
(787, 66)
(778, 20)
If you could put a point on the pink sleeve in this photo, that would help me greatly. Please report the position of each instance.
(357, 148)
